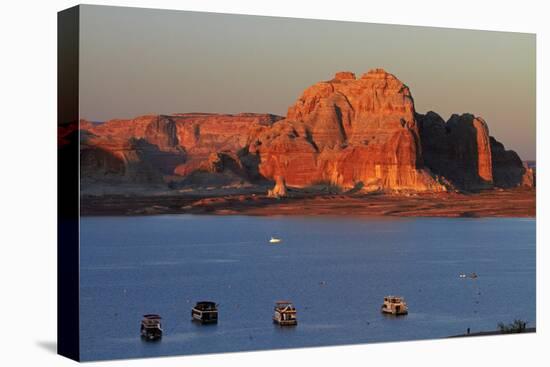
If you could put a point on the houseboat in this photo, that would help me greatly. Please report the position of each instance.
(205, 312)
(285, 314)
(151, 327)
(395, 306)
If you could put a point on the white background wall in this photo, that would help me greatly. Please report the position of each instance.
(28, 182)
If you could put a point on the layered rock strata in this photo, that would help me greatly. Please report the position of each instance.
(347, 132)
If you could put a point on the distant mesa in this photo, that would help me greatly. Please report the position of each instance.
(345, 132)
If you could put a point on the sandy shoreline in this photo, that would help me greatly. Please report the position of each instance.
(493, 203)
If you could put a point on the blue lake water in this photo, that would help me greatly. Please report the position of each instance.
(336, 270)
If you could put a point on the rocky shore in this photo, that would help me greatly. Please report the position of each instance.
(490, 203)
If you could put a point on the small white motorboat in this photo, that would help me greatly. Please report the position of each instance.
(274, 240)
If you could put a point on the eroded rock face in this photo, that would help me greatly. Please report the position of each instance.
(349, 132)
(508, 169)
(203, 133)
(141, 150)
(285, 150)
(148, 149)
(462, 151)
(352, 133)
(458, 149)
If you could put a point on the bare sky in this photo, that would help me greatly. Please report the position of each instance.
(139, 61)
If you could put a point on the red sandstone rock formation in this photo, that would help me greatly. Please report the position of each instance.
(458, 149)
(508, 169)
(462, 151)
(353, 133)
(349, 132)
(152, 148)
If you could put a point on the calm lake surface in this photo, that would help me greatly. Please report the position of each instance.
(336, 270)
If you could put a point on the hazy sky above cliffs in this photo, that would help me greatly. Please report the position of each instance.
(142, 61)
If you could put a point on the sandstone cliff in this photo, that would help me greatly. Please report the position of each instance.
(156, 148)
(348, 132)
(462, 151)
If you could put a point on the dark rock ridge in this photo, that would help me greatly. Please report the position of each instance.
(348, 132)
(462, 151)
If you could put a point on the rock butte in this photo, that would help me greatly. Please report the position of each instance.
(354, 134)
